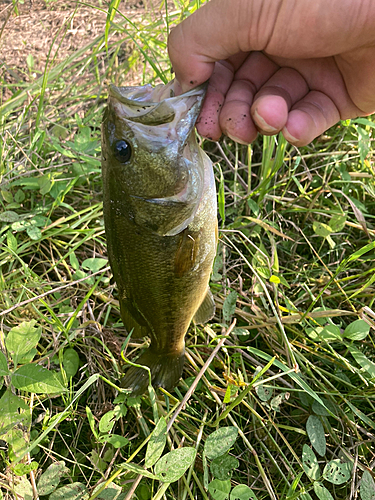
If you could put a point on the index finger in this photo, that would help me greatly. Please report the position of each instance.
(197, 43)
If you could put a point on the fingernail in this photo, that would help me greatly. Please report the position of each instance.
(236, 139)
(289, 137)
(263, 125)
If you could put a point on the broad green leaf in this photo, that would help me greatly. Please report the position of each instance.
(310, 463)
(337, 223)
(218, 265)
(23, 488)
(45, 184)
(34, 233)
(254, 207)
(174, 464)
(28, 357)
(358, 330)
(97, 460)
(264, 393)
(21, 225)
(9, 216)
(30, 62)
(264, 272)
(322, 229)
(50, 479)
(363, 360)
(222, 467)
(10, 416)
(156, 444)
(133, 402)
(220, 441)
(94, 264)
(70, 362)
(22, 338)
(115, 440)
(20, 196)
(74, 261)
(111, 492)
(18, 441)
(7, 196)
(74, 491)
(229, 306)
(12, 241)
(4, 371)
(242, 492)
(23, 469)
(40, 221)
(35, 378)
(315, 431)
(329, 333)
(138, 470)
(321, 492)
(219, 490)
(364, 121)
(108, 420)
(30, 183)
(367, 487)
(337, 472)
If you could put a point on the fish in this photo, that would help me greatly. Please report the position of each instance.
(160, 217)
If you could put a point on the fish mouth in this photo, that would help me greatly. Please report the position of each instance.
(153, 106)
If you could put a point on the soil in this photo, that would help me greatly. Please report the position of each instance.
(36, 26)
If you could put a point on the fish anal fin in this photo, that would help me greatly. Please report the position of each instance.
(166, 371)
(133, 319)
(186, 253)
(206, 310)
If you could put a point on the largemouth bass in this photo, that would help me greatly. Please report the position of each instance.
(160, 221)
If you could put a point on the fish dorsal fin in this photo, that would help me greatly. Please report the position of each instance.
(206, 310)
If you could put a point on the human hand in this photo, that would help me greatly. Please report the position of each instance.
(277, 65)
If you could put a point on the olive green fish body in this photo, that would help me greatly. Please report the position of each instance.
(161, 224)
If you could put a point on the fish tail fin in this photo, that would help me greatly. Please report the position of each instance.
(166, 371)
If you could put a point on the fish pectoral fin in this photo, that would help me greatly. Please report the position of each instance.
(186, 253)
(133, 319)
(166, 370)
(206, 310)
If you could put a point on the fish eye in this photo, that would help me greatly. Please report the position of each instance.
(123, 151)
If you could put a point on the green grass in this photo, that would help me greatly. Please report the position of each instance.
(291, 390)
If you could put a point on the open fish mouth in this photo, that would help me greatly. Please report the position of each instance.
(158, 105)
